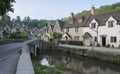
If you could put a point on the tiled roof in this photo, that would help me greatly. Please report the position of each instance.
(87, 18)
(102, 18)
(79, 21)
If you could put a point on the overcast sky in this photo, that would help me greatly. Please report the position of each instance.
(54, 9)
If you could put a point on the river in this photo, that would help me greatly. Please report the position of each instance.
(76, 64)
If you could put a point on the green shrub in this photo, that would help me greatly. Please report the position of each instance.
(108, 45)
(75, 43)
(98, 45)
(80, 43)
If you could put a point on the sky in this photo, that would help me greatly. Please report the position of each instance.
(54, 9)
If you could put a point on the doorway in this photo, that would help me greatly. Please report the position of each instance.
(103, 41)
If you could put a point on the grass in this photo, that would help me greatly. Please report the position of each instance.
(41, 69)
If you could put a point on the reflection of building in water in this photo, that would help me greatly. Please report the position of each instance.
(78, 65)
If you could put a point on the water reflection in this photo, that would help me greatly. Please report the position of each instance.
(78, 64)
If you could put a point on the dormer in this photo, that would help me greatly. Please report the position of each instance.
(111, 22)
(93, 24)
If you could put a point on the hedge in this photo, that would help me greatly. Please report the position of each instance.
(80, 43)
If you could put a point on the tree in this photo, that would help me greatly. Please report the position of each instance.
(56, 35)
(18, 19)
(6, 6)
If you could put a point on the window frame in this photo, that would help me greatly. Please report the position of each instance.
(110, 24)
(93, 25)
(113, 39)
(95, 39)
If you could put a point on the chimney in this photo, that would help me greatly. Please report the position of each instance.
(72, 15)
(92, 10)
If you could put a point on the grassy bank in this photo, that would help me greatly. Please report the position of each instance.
(41, 69)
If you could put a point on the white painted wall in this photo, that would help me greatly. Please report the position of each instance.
(113, 31)
(93, 32)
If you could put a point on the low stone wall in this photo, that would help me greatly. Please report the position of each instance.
(94, 54)
(2, 42)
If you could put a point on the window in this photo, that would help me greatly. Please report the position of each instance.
(76, 38)
(95, 39)
(110, 23)
(76, 29)
(67, 29)
(113, 39)
(93, 25)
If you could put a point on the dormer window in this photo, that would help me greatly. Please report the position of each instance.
(110, 23)
(93, 25)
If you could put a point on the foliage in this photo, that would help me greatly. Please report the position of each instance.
(18, 35)
(108, 45)
(98, 45)
(41, 69)
(32, 23)
(56, 35)
(103, 9)
(73, 42)
(6, 6)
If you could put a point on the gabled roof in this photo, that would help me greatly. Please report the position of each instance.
(76, 22)
(68, 35)
(87, 35)
(87, 18)
(102, 18)
(61, 23)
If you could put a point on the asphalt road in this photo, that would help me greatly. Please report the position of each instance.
(8, 49)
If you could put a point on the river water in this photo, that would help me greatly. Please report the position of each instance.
(78, 64)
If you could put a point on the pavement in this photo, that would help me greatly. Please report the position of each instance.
(9, 58)
(25, 64)
(8, 49)
(91, 48)
(9, 65)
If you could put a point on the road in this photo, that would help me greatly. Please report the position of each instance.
(8, 49)
(9, 56)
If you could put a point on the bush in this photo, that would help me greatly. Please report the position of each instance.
(62, 42)
(98, 45)
(80, 43)
(51, 39)
(119, 46)
(108, 45)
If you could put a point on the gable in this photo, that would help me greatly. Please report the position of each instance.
(111, 18)
(57, 27)
(93, 21)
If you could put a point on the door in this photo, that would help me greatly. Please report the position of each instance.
(103, 41)
(87, 42)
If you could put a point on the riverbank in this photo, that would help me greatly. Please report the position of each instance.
(105, 55)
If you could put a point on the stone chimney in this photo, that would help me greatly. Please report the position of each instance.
(72, 15)
(92, 10)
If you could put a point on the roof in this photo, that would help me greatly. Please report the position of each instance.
(87, 18)
(68, 35)
(78, 21)
(87, 35)
(102, 18)
(61, 23)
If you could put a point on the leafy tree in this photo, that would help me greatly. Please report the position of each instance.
(56, 35)
(6, 6)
